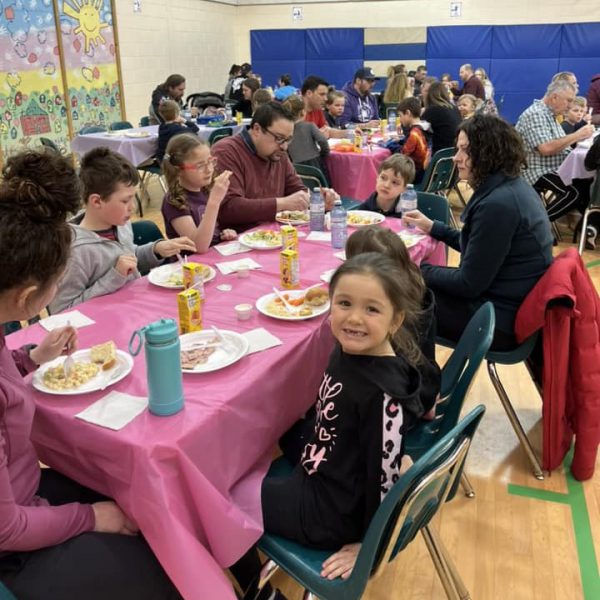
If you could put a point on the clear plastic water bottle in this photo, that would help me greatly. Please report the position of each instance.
(408, 202)
(187, 114)
(228, 113)
(392, 121)
(339, 225)
(317, 210)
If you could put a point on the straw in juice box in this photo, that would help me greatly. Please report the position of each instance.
(289, 237)
(189, 304)
(193, 276)
(289, 269)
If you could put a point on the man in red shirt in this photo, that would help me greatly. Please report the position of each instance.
(314, 93)
(471, 84)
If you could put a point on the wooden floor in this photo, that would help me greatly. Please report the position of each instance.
(519, 538)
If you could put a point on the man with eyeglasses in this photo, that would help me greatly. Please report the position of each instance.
(263, 181)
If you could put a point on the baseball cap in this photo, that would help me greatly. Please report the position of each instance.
(365, 73)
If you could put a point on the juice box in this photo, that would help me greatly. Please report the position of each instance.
(193, 276)
(238, 117)
(358, 143)
(383, 125)
(289, 237)
(289, 269)
(189, 304)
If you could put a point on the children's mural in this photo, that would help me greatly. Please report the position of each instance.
(33, 102)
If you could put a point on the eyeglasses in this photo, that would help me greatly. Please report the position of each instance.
(203, 166)
(280, 141)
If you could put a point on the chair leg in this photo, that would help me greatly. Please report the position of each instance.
(514, 421)
(461, 588)
(308, 595)
(586, 214)
(163, 185)
(466, 485)
(266, 572)
(139, 204)
(440, 565)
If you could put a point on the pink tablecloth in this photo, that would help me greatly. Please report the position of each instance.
(192, 481)
(353, 175)
(572, 167)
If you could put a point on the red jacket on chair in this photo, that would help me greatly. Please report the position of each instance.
(565, 303)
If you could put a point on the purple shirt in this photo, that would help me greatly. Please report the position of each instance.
(27, 522)
(196, 205)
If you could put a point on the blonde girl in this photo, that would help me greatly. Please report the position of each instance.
(195, 193)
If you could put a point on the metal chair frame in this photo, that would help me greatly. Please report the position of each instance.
(593, 207)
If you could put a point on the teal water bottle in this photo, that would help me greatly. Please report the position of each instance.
(163, 365)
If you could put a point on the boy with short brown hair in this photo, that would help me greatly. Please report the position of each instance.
(416, 144)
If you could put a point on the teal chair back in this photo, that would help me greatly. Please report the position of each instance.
(48, 143)
(219, 134)
(457, 376)
(145, 231)
(434, 206)
(145, 121)
(5, 593)
(119, 125)
(439, 175)
(407, 508)
(91, 129)
(310, 171)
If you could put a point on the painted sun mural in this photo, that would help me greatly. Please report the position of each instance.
(87, 13)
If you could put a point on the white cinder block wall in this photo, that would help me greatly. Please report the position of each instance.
(201, 39)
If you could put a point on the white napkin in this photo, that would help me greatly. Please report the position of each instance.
(114, 411)
(232, 248)
(319, 236)
(411, 238)
(327, 275)
(76, 319)
(232, 266)
(341, 255)
(260, 339)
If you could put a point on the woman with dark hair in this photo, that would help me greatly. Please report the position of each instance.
(505, 243)
(234, 73)
(249, 86)
(57, 538)
(172, 89)
(441, 114)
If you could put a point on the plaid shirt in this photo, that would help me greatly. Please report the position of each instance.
(538, 125)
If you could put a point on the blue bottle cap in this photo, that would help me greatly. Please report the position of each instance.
(161, 332)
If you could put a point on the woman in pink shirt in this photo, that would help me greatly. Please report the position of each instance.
(58, 540)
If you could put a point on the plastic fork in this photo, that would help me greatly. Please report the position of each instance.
(69, 361)
(224, 342)
(287, 305)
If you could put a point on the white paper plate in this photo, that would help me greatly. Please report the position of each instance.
(372, 217)
(410, 238)
(257, 244)
(124, 366)
(263, 301)
(236, 349)
(327, 275)
(137, 134)
(160, 275)
(287, 221)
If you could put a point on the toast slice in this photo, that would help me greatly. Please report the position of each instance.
(104, 354)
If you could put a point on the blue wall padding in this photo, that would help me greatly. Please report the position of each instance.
(436, 67)
(512, 104)
(526, 41)
(581, 39)
(457, 41)
(322, 44)
(584, 68)
(530, 75)
(277, 44)
(396, 52)
(335, 72)
(271, 70)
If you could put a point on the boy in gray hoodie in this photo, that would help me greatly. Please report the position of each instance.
(104, 256)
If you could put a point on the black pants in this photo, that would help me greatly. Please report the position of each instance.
(568, 197)
(94, 566)
(453, 315)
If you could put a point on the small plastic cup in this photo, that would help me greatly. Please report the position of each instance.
(243, 311)
(243, 272)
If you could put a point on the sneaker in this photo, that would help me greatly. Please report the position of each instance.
(590, 237)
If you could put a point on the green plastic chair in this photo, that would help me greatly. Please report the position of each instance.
(5, 593)
(438, 176)
(48, 143)
(144, 121)
(406, 510)
(144, 232)
(313, 177)
(434, 206)
(91, 129)
(219, 134)
(119, 125)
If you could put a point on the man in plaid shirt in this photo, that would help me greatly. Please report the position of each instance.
(547, 145)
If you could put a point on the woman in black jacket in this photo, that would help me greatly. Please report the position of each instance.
(442, 115)
(505, 243)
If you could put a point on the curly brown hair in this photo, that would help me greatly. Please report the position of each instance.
(494, 146)
(37, 192)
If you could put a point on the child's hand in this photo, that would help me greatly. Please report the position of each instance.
(111, 519)
(126, 265)
(326, 131)
(228, 234)
(341, 563)
(220, 187)
(62, 340)
(175, 246)
(415, 217)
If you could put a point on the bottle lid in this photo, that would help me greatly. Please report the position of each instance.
(316, 190)
(161, 331)
(338, 202)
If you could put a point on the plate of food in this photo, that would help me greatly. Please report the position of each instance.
(261, 239)
(304, 304)
(203, 351)
(171, 276)
(94, 369)
(410, 238)
(293, 217)
(137, 134)
(363, 218)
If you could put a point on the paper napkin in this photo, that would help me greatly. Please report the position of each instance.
(232, 248)
(410, 239)
(232, 266)
(260, 339)
(319, 236)
(75, 318)
(327, 275)
(341, 255)
(114, 411)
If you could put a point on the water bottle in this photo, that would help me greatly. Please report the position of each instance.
(317, 210)
(187, 114)
(408, 201)
(392, 121)
(339, 226)
(228, 113)
(163, 365)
